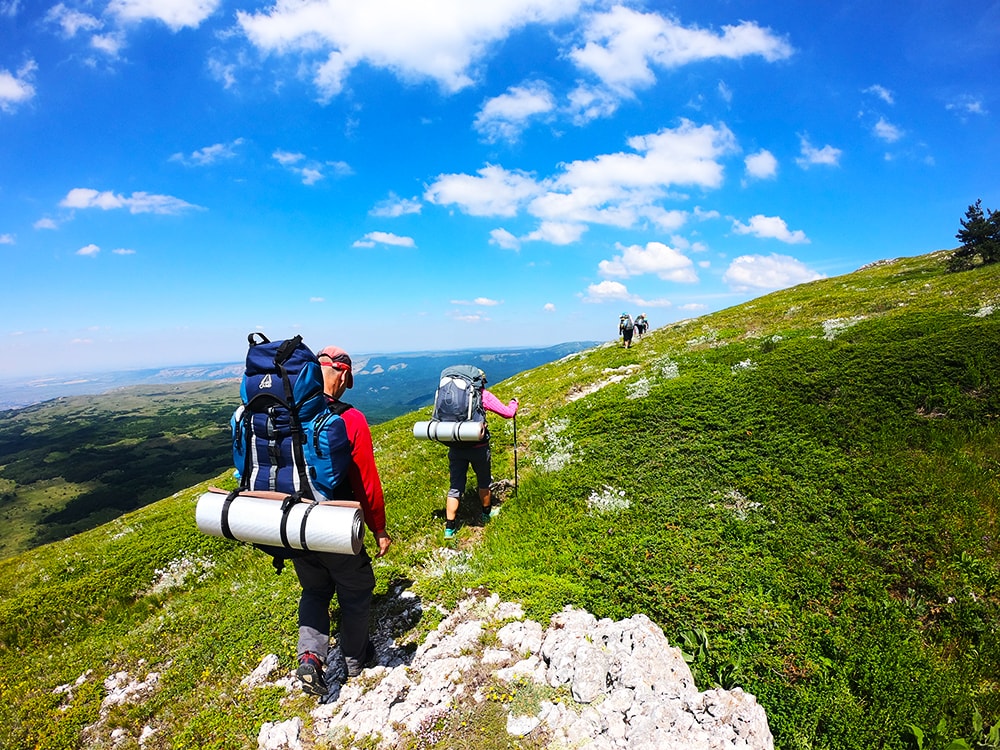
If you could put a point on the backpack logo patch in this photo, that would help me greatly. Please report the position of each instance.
(265, 382)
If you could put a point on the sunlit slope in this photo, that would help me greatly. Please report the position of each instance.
(811, 478)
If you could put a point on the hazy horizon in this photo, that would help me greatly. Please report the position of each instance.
(31, 389)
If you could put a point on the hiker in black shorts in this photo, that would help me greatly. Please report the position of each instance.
(479, 456)
(626, 327)
(641, 325)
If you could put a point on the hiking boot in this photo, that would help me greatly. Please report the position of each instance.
(448, 533)
(492, 513)
(310, 674)
(355, 667)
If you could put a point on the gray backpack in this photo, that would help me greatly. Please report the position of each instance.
(459, 396)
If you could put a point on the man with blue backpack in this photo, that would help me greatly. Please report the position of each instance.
(350, 577)
(295, 440)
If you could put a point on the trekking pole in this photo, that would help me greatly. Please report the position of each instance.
(515, 455)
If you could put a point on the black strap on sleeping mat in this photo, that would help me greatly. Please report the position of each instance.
(224, 523)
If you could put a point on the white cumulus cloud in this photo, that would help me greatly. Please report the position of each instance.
(504, 117)
(209, 155)
(655, 258)
(810, 155)
(502, 238)
(761, 165)
(16, 88)
(770, 227)
(70, 21)
(622, 46)
(137, 203)
(385, 238)
(394, 207)
(887, 131)
(752, 273)
(310, 170)
(615, 291)
(557, 233)
(586, 103)
(176, 14)
(967, 105)
(619, 189)
(492, 191)
(440, 40)
(881, 92)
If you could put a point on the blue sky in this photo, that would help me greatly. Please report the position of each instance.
(400, 175)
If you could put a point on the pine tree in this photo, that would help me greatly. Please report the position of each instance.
(980, 238)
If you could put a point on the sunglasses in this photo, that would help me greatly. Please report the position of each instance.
(335, 365)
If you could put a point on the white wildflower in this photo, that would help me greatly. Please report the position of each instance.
(667, 368)
(553, 450)
(177, 572)
(638, 389)
(608, 499)
(831, 328)
(444, 560)
(709, 337)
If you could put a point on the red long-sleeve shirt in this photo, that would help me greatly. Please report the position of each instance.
(362, 473)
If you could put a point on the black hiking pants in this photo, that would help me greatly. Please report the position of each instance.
(351, 578)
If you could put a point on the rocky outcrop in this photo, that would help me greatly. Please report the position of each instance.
(579, 683)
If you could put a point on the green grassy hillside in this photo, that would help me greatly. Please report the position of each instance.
(73, 463)
(805, 487)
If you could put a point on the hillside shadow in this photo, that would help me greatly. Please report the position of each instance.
(394, 614)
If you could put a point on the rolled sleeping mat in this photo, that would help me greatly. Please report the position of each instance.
(450, 432)
(259, 518)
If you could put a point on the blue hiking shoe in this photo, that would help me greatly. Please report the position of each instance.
(493, 513)
(449, 533)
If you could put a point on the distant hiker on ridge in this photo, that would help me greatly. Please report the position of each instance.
(461, 398)
(641, 325)
(625, 329)
(351, 577)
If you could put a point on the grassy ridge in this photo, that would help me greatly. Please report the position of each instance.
(810, 480)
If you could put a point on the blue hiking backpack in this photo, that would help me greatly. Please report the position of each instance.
(285, 439)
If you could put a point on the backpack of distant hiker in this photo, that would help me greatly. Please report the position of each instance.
(626, 323)
(285, 439)
(459, 395)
